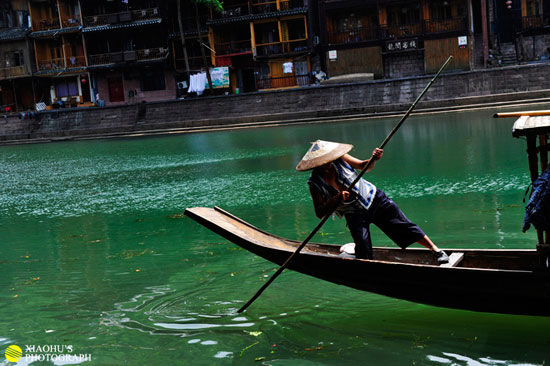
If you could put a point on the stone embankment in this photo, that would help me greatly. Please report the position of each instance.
(492, 87)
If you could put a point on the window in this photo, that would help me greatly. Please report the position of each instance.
(153, 80)
(66, 88)
(13, 59)
(533, 7)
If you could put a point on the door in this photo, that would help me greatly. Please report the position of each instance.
(116, 89)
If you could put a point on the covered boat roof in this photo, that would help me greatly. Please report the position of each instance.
(529, 122)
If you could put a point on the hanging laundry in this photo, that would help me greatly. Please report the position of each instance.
(197, 83)
(287, 68)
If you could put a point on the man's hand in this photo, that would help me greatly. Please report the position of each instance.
(344, 195)
(377, 154)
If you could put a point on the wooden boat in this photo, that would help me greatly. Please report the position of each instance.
(499, 281)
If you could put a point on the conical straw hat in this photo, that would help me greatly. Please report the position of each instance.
(322, 152)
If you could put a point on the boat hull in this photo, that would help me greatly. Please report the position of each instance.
(498, 281)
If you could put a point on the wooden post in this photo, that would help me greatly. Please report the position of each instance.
(84, 49)
(252, 40)
(484, 32)
(30, 13)
(59, 16)
(36, 55)
(63, 49)
(534, 169)
(81, 18)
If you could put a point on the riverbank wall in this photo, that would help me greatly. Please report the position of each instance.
(491, 87)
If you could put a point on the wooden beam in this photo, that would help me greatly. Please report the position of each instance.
(520, 114)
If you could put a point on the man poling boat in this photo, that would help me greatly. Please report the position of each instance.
(333, 171)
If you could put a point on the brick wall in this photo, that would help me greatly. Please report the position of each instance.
(377, 96)
(402, 65)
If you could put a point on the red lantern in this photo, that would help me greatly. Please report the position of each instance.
(509, 4)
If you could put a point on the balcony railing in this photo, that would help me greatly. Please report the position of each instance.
(258, 7)
(73, 21)
(534, 22)
(228, 48)
(125, 16)
(279, 48)
(10, 72)
(45, 24)
(393, 32)
(283, 82)
(445, 25)
(51, 64)
(76, 61)
(60, 64)
(353, 35)
(405, 30)
(147, 54)
(235, 10)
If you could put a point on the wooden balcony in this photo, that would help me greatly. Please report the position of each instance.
(147, 54)
(60, 64)
(259, 7)
(51, 64)
(12, 72)
(400, 31)
(283, 82)
(353, 35)
(281, 48)
(445, 25)
(381, 33)
(73, 21)
(76, 61)
(45, 24)
(534, 22)
(233, 47)
(126, 16)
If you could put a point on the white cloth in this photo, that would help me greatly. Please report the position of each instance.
(287, 67)
(197, 83)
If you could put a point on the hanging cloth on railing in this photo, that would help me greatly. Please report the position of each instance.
(537, 211)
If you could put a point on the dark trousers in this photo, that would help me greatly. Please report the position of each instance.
(385, 214)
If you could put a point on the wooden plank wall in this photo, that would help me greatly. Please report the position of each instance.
(438, 50)
(358, 60)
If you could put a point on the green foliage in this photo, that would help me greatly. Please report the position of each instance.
(214, 4)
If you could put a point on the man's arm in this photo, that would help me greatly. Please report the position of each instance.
(323, 208)
(360, 164)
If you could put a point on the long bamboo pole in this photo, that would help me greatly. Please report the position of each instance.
(520, 114)
(324, 219)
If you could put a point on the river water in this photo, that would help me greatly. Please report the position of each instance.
(96, 254)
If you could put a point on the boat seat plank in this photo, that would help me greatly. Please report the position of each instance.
(454, 260)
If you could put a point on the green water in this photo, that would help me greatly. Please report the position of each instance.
(95, 252)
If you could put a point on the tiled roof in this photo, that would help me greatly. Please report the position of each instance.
(54, 32)
(121, 65)
(60, 72)
(250, 17)
(136, 23)
(173, 35)
(13, 34)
